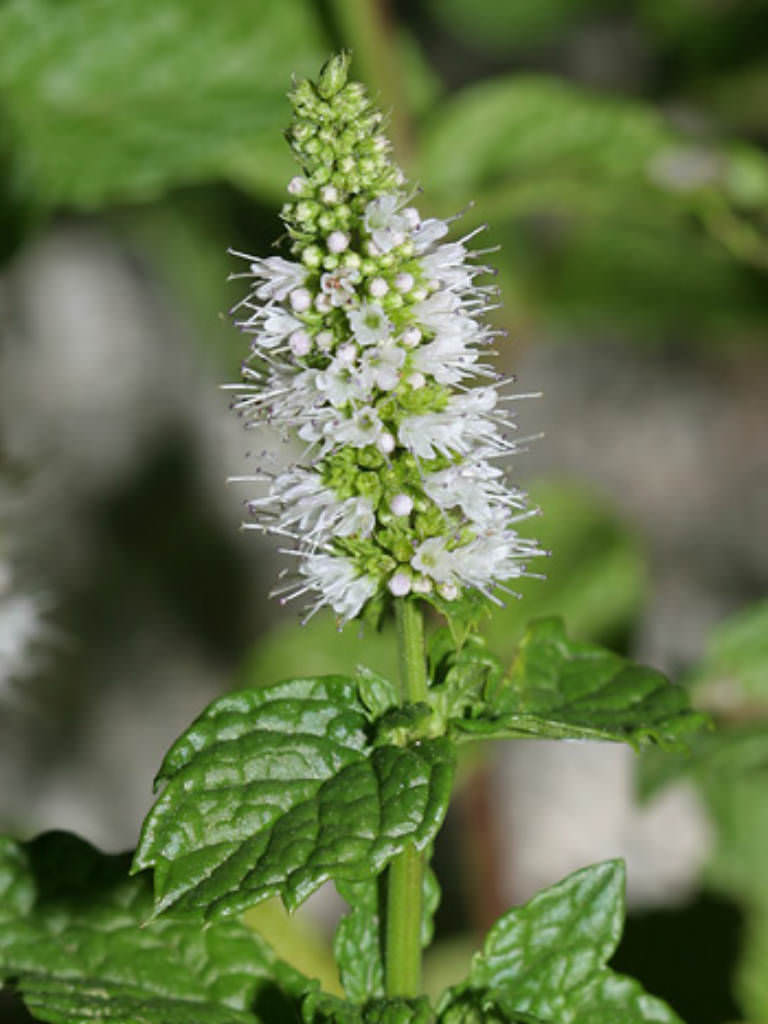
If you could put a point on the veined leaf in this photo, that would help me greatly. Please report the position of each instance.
(110, 101)
(547, 958)
(558, 688)
(273, 791)
(73, 940)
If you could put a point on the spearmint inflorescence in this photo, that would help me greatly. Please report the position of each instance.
(367, 343)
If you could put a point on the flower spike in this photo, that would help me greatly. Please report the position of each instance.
(369, 344)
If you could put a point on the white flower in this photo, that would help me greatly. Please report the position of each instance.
(433, 559)
(454, 430)
(278, 277)
(447, 265)
(342, 384)
(360, 430)
(448, 358)
(385, 225)
(340, 583)
(427, 233)
(339, 285)
(369, 323)
(275, 327)
(355, 516)
(476, 487)
(380, 365)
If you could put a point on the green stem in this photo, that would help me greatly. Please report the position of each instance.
(410, 642)
(402, 961)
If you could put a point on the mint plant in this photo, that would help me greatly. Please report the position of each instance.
(369, 343)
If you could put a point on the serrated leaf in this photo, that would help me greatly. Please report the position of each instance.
(110, 102)
(358, 942)
(559, 688)
(547, 958)
(273, 791)
(73, 939)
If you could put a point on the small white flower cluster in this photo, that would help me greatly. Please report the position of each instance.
(365, 345)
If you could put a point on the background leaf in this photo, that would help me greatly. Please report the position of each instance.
(184, 92)
(605, 210)
(74, 940)
(734, 668)
(501, 26)
(274, 791)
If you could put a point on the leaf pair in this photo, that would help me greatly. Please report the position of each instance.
(276, 790)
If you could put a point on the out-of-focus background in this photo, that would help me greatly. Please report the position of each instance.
(617, 151)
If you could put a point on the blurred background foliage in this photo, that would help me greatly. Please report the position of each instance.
(617, 152)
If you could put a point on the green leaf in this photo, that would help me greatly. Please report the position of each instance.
(319, 1008)
(644, 223)
(734, 669)
(73, 939)
(358, 942)
(273, 791)
(504, 27)
(477, 1007)
(558, 688)
(109, 102)
(510, 131)
(378, 693)
(547, 958)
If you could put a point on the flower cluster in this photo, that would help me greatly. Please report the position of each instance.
(370, 344)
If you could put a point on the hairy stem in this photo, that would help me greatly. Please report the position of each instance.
(402, 963)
